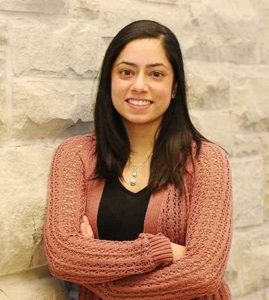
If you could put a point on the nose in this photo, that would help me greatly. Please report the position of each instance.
(140, 83)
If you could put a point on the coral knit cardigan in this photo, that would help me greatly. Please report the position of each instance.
(200, 219)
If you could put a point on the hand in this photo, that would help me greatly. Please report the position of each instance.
(86, 228)
(178, 251)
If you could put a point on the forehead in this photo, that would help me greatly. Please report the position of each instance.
(144, 51)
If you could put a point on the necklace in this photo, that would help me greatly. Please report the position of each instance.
(134, 175)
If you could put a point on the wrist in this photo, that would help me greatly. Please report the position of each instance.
(160, 249)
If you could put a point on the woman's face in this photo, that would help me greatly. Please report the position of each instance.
(141, 82)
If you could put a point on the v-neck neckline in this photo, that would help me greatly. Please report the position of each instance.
(152, 222)
(125, 189)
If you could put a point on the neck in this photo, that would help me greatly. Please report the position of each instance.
(142, 139)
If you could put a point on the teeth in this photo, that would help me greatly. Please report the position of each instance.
(139, 102)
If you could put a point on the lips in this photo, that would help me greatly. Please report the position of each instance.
(139, 102)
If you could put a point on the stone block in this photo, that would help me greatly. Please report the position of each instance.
(262, 8)
(247, 143)
(248, 190)
(79, 128)
(47, 47)
(47, 108)
(216, 33)
(2, 108)
(3, 40)
(262, 294)
(3, 30)
(232, 277)
(256, 268)
(266, 205)
(84, 8)
(250, 104)
(2, 63)
(159, 1)
(24, 175)
(104, 43)
(243, 244)
(265, 49)
(208, 85)
(265, 151)
(34, 284)
(39, 6)
(214, 125)
(113, 16)
(205, 31)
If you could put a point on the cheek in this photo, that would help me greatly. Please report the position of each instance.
(118, 88)
(115, 94)
(113, 87)
(164, 93)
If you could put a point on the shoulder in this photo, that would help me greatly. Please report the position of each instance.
(209, 149)
(79, 144)
(76, 154)
(210, 155)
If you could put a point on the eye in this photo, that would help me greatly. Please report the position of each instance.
(126, 73)
(157, 74)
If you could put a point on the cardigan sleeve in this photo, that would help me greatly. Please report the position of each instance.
(200, 272)
(75, 258)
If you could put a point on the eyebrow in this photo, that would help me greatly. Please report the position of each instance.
(148, 66)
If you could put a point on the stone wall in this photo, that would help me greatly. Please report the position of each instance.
(50, 55)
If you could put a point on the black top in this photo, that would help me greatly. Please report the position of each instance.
(121, 212)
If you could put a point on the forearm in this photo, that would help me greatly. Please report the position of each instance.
(75, 258)
(188, 278)
(79, 260)
(201, 270)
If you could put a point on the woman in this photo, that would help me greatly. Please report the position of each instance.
(141, 208)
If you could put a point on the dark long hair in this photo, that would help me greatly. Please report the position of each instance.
(176, 133)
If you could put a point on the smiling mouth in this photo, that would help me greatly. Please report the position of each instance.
(139, 102)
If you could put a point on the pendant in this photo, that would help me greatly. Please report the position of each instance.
(133, 179)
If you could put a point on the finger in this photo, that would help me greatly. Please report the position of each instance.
(88, 227)
(85, 231)
(82, 229)
(85, 220)
(89, 230)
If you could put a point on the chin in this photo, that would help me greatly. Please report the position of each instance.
(141, 121)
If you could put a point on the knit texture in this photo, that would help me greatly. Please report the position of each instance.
(200, 219)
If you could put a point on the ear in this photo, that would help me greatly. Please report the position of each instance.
(174, 90)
